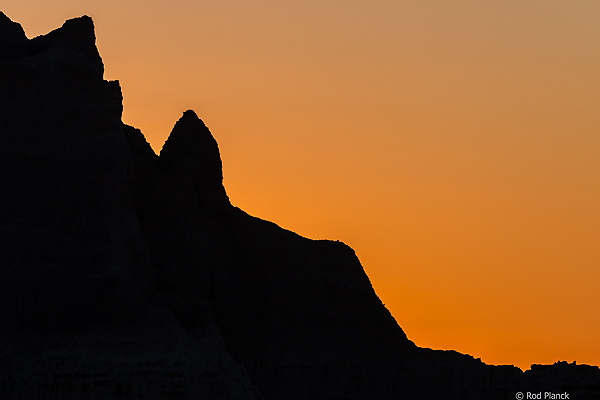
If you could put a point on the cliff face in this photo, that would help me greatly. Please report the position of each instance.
(130, 275)
(79, 313)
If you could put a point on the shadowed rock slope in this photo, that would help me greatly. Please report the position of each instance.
(128, 275)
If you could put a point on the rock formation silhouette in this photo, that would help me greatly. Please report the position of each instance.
(129, 275)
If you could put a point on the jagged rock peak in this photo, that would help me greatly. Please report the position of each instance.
(75, 35)
(10, 30)
(12, 38)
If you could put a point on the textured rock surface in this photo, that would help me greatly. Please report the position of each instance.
(130, 275)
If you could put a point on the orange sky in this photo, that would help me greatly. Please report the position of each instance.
(455, 145)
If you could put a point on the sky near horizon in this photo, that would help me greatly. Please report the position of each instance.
(454, 145)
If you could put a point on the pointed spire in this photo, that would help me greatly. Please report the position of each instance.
(192, 148)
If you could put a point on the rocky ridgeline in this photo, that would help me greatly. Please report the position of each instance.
(128, 275)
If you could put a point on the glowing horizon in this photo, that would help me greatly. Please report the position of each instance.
(453, 145)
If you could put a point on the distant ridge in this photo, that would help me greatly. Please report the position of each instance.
(129, 275)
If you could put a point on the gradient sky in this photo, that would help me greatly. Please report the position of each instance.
(455, 145)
